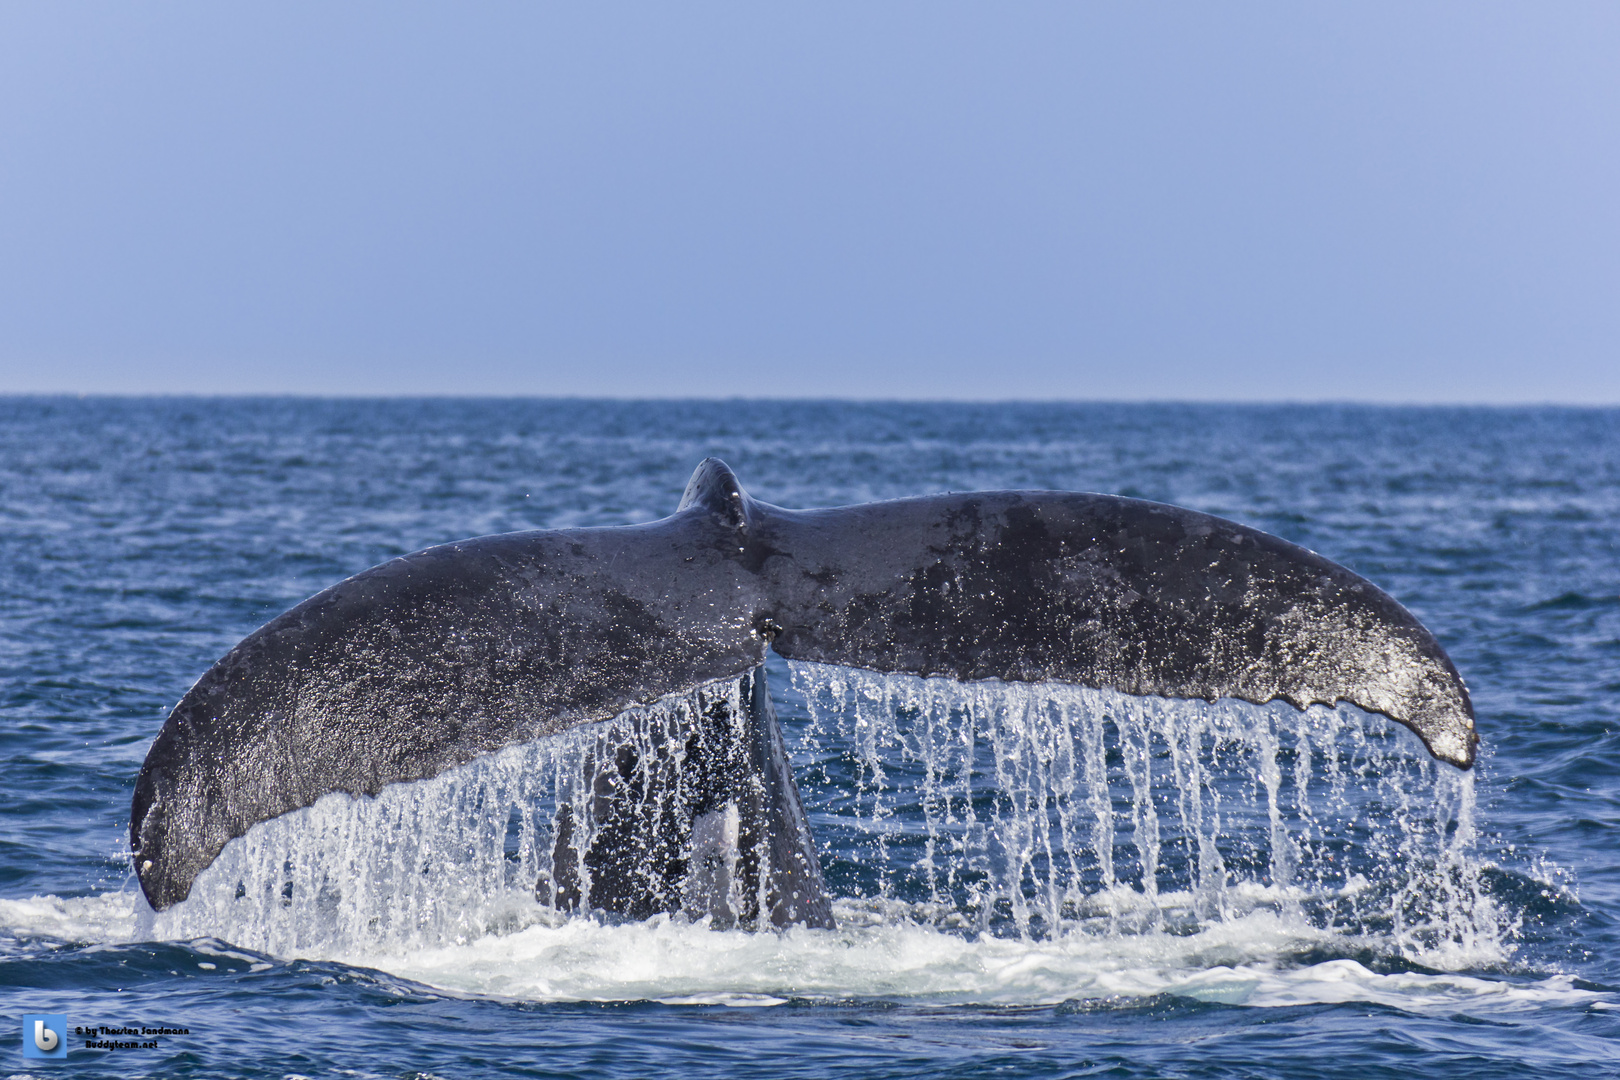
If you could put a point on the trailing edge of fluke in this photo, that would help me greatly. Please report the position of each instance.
(432, 659)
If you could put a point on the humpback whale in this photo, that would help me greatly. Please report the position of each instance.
(430, 660)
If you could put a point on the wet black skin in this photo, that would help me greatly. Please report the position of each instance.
(430, 660)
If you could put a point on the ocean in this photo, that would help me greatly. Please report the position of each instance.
(1029, 881)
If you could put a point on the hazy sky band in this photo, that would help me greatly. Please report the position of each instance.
(1374, 201)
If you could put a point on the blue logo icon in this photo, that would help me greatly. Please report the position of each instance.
(44, 1036)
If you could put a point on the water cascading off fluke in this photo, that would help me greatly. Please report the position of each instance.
(1033, 810)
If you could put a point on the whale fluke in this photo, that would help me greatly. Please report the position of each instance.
(432, 659)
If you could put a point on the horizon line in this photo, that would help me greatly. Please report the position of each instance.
(842, 399)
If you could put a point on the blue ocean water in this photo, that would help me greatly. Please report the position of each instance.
(1372, 914)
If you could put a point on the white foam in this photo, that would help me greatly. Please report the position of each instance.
(875, 954)
(107, 918)
(1245, 961)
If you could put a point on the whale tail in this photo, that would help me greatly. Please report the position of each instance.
(427, 661)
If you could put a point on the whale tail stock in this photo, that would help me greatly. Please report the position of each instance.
(432, 659)
(736, 847)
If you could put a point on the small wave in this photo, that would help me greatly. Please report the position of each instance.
(1571, 601)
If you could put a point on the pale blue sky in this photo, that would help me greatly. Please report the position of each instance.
(1375, 201)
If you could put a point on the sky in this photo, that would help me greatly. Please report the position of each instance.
(1390, 202)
